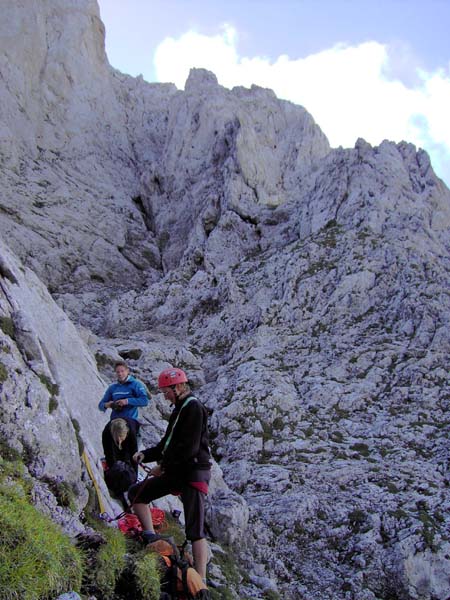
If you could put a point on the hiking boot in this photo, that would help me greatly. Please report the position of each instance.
(148, 537)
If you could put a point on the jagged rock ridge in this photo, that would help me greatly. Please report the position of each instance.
(304, 288)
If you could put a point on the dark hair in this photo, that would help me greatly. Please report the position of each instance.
(120, 363)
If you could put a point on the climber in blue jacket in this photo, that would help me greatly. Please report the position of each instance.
(125, 396)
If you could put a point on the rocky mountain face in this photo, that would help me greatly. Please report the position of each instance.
(305, 290)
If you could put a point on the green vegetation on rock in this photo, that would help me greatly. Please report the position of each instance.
(36, 559)
(147, 576)
(3, 373)
(7, 326)
(110, 561)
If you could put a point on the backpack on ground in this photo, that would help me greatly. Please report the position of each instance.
(179, 581)
(120, 477)
(130, 525)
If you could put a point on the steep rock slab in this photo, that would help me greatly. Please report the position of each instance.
(68, 167)
(240, 150)
(50, 390)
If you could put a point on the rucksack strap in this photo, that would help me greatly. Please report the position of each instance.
(184, 571)
(173, 579)
(182, 548)
(169, 437)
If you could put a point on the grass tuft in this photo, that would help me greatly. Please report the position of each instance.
(147, 574)
(111, 561)
(80, 442)
(7, 326)
(53, 388)
(36, 559)
(3, 373)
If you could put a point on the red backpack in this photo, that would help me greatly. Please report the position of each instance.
(130, 525)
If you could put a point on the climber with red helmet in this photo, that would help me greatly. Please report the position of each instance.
(183, 467)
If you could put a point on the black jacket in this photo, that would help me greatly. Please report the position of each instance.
(188, 448)
(129, 447)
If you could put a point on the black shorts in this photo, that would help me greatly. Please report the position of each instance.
(193, 502)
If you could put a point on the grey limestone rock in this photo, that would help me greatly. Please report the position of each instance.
(304, 289)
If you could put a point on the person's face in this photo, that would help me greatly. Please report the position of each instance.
(119, 439)
(169, 394)
(122, 373)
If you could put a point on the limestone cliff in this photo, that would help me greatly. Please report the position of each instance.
(305, 289)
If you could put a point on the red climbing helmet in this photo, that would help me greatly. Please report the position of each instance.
(170, 377)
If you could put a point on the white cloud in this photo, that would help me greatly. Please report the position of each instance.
(174, 57)
(347, 89)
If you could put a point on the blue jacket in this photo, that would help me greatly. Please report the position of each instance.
(133, 390)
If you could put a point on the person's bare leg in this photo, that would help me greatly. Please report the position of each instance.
(142, 511)
(200, 553)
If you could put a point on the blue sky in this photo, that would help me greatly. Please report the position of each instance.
(377, 69)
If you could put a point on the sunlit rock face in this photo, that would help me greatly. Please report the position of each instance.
(304, 289)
